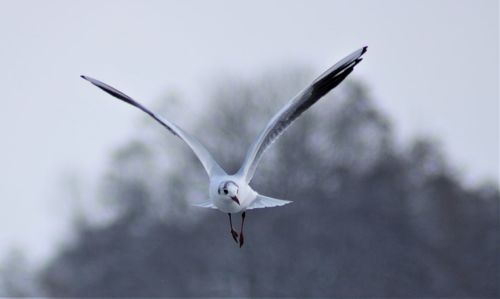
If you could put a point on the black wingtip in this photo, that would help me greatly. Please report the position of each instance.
(83, 77)
(365, 48)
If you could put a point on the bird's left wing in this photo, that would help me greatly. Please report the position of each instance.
(300, 103)
(211, 167)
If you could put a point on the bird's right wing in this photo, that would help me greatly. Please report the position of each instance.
(300, 103)
(211, 167)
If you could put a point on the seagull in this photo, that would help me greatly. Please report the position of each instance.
(232, 193)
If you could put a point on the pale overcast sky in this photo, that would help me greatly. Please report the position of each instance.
(432, 66)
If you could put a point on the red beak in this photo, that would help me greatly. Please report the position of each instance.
(235, 199)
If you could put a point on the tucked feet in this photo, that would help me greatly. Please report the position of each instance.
(235, 235)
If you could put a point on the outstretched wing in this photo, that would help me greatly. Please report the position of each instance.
(300, 103)
(211, 167)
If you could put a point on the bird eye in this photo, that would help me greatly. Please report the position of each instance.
(225, 191)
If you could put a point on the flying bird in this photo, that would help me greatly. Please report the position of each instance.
(232, 193)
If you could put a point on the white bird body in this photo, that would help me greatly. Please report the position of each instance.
(232, 193)
(246, 195)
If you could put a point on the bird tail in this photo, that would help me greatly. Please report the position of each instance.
(205, 204)
(267, 202)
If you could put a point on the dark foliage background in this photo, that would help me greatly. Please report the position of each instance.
(370, 217)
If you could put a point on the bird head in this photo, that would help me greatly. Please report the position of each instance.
(230, 190)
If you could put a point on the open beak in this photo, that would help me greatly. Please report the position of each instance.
(235, 199)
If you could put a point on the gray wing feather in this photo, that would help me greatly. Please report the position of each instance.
(300, 103)
(211, 167)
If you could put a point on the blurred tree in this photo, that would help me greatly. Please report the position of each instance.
(369, 219)
(17, 277)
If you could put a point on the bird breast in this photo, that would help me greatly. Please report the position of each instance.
(224, 203)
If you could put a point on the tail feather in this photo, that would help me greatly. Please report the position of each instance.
(205, 204)
(267, 202)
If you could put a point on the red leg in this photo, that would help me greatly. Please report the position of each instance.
(233, 232)
(241, 230)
